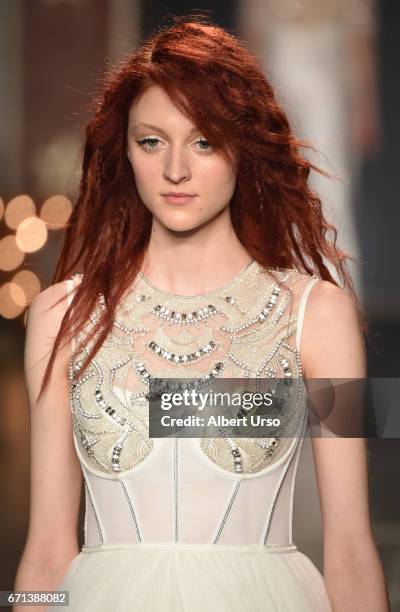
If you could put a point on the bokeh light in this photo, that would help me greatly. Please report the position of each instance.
(29, 283)
(55, 212)
(1, 209)
(11, 255)
(18, 209)
(31, 234)
(12, 298)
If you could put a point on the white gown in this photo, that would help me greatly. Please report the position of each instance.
(170, 524)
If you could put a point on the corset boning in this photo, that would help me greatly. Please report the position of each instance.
(177, 495)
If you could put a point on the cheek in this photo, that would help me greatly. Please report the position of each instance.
(218, 177)
(145, 172)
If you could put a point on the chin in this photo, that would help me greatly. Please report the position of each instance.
(179, 218)
(181, 225)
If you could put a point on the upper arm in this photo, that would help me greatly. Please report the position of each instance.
(333, 348)
(332, 343)
(56, 477)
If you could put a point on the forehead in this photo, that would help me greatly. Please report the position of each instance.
(155, 107)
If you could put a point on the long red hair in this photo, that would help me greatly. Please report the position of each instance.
(219, 84)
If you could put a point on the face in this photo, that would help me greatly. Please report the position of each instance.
(169, 155)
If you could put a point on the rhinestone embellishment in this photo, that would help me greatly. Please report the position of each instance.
(184, 318)
(256, 309)
(178, 359)
(261, 316)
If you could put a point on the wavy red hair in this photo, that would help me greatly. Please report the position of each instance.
(219, 84)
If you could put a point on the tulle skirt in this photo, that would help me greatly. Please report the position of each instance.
(148, 577)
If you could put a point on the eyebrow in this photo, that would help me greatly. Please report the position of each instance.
(158, 129)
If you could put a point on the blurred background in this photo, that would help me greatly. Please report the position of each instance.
(333, 64)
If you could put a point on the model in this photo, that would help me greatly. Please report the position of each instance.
(195, 250)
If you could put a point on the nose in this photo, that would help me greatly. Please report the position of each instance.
(176, 166)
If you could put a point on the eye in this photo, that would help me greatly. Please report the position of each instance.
(148, 143)
(204, 145)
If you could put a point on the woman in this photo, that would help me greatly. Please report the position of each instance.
(199, 243)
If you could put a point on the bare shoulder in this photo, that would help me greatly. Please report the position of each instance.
(324, 299)
(332, 343)
(327, 301)
(50, 295)
(55, 294)
(49, 306)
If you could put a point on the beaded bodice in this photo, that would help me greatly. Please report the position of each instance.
(215, 489)
(244, 330)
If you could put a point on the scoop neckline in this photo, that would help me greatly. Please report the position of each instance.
(227, 285)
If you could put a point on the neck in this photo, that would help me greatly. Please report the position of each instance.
(180, 263)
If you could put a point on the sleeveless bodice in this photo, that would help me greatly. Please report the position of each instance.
(187, 490)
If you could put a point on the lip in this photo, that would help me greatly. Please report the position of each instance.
(178, 197)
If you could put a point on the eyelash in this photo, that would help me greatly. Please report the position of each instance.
(144, 141)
